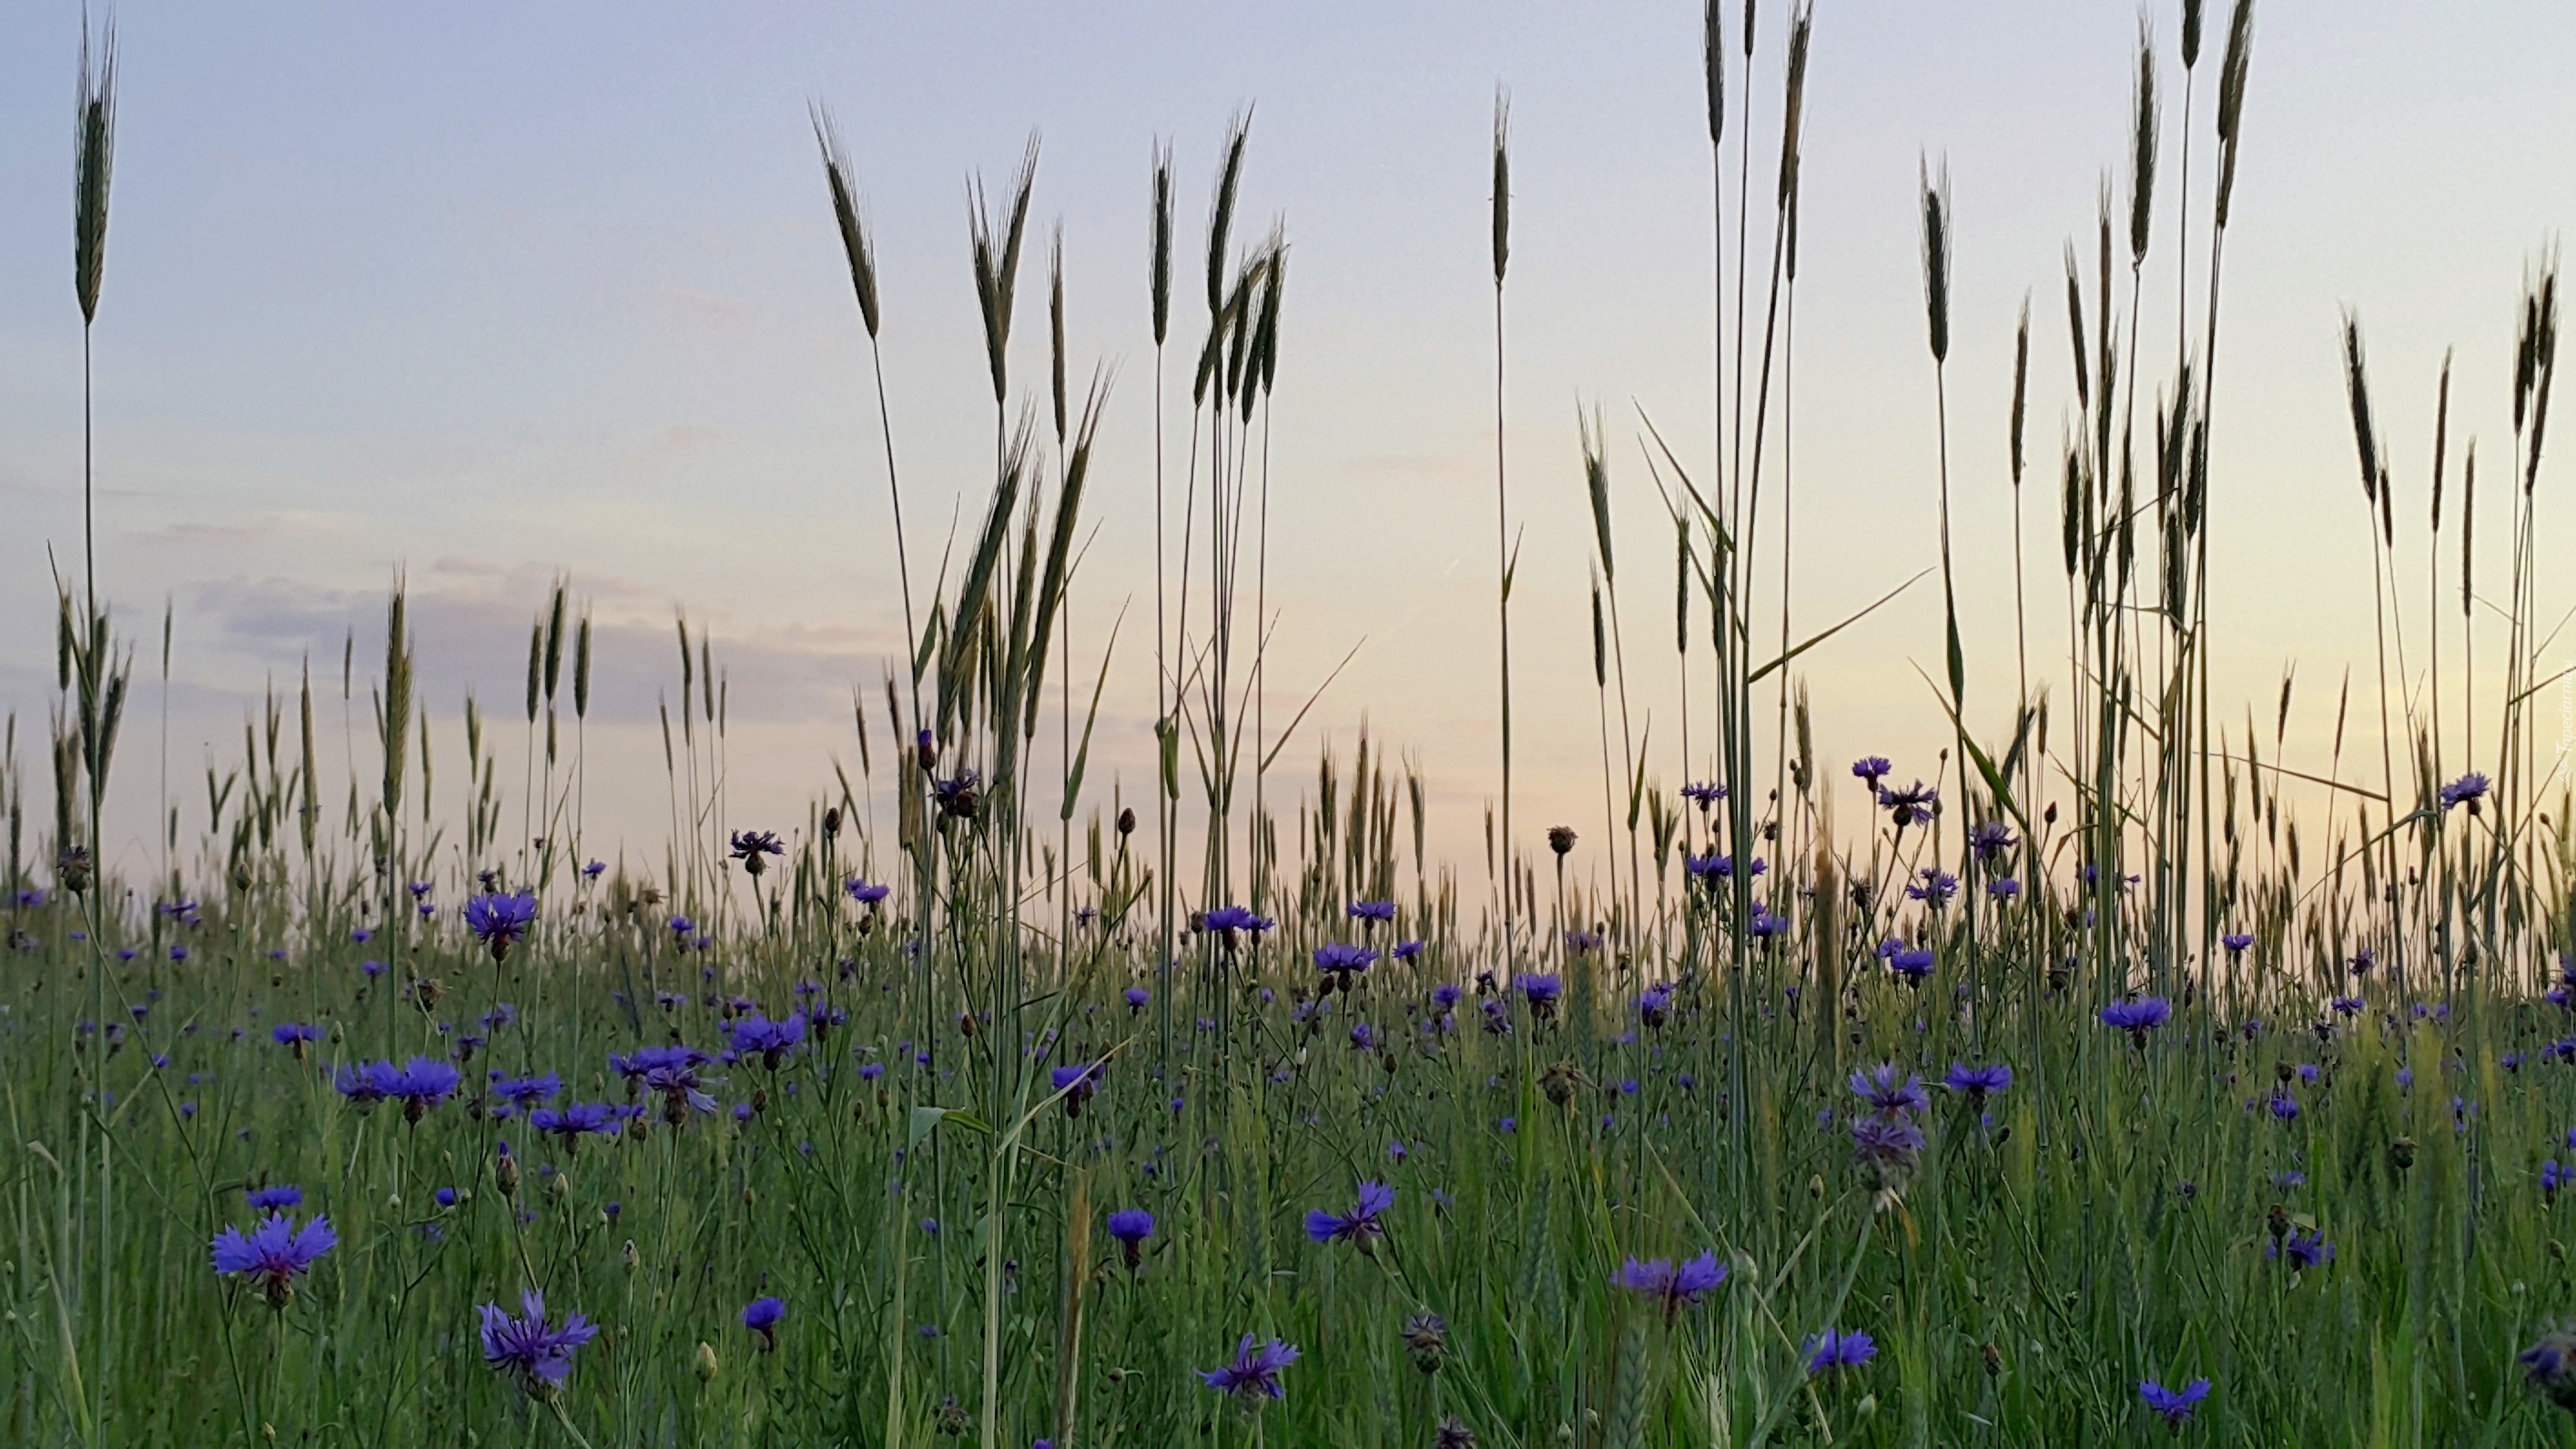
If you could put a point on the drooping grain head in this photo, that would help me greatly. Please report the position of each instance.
(94, 158)
(1712, 58)
(855, 243)
(1502, 199)
(2142, 149)
(2021, 385)
(1795, 102)
(2075, 329)
(1936, 257)
(1160, 280)
(1055, 326)
(2356, 381)
(1221, 210)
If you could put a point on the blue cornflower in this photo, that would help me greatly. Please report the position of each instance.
(1990, 838)
(1937, 888)
(1833, 1350)
(526, 1092)
(1360, 1225)
(1138, 998)
(1542, 992)
(274, 1254)
(2553, 1177)
(772, 1039)
(1914, 964)
(1916, 802)
(2003, 889)
(2175, 1405)
(750, 846)
(1254, 1372)
(1675, 1286)
(1131, 1227)
(1226, 920)
(536, 1357)
(1654, 1003)
(1871, 769)
(1880, 1087)
(1077, 1082)
(270, 1199)
(865, 892)
(1765, 925)
(498, 921)
(1978, 1083)
(294, 1035)
(2302, 1250)
(571, 1123)
(1371, 910)
(761, 1316)
(1407, 950)
(2138, 1017)
(1703, 795)
(2236, 942)
(2467, 790)
(1340, 963)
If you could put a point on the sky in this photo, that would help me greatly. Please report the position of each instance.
(488, 295)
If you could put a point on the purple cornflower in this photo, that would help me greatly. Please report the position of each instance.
(1703, 795)
(423, 1084)
(2362, 960)
(2467, 790)
(2175, 1405)
(1674, 1286)
(1890, 1097)
(1407, 950)
(1137, 999)
(772, 1039)
(1832, 1349)
(1226, 920)
(956, 796)
(2346, 1005)
(1914, 964)
(750, 846)
(498, 921)
(526, 1092)
(2554, 1177)
(1371, 910)
(1579, 943)
(1360, 1225)
(536, 1357)
(2285, 1107)
(293, 1036)
(761, 1316)
(1446, 995)
(271, 1199)
(1890, 1146)
(1765, 925)
(1131, 1227)
(1340, 963)
(864, 892)
(594, 870)
(571, 1123)
(1916, 802)
(274, 1254)
(1871, 769)
(2003, 889)
(1542, 992)
(1991, 838)
(1978, 1083)
(1937, 888)
(1077, 1082)
(2302, 1250)
(1654, 1003)
(2236, 942)
(2551, 1365)
(1255, 1370)
(2138, 1017)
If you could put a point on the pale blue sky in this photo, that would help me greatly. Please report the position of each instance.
(492, 291)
